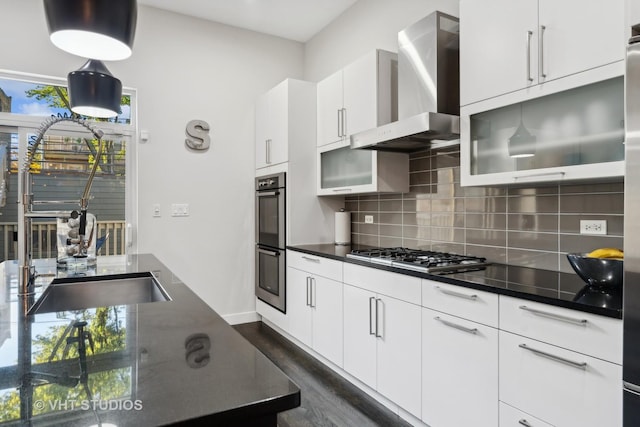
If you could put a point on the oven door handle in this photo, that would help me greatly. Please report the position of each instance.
(266, 252)
(268, 193)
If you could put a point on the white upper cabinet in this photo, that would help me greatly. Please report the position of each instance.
(279, 115)
(342, 170)
(361, 96)
(330, 109)
(507, 46)
(497, 42)
(571, 135)
(567, 47)
(357, 97)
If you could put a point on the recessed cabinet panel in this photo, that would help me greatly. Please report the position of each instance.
(550, 137)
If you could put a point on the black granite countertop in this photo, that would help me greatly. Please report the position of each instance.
(152, 363)
(550, 287)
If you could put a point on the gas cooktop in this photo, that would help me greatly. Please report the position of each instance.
(420, 260)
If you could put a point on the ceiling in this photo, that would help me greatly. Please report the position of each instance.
(297, 20)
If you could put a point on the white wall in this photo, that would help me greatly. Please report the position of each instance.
(367, 25)
(183, 68)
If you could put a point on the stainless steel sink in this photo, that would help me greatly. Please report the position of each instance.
(77, 293)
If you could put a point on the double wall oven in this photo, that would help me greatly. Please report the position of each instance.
(271, 240)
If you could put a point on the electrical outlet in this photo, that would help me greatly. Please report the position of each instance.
(593, 226)
(156, 210)
(368, 219)
(179, 209)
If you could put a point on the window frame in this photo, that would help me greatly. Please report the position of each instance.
(23, 122)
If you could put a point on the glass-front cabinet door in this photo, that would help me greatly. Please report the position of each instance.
(571, 135)
(342, 170)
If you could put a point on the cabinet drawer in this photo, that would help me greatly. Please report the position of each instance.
(587, 333)
(471, 304)
(561, 387)
(395, 285)
(512, 417)
(325, 267)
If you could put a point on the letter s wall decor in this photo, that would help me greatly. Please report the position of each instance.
(198, 135)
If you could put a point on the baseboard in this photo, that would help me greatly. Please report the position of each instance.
(238, 318)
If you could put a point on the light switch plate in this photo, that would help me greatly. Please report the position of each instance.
(368, 219)
(156, 210)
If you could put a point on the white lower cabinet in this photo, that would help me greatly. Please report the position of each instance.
(560, 387)
(459, 371)
(441, 353)
(382, 345)
(360, 346)
(314, 308)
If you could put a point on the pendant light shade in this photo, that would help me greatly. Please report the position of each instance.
(522, 143)
(94, 91)
(99, 29)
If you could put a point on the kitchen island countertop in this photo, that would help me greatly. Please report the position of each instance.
(152, 363)
(551, 287)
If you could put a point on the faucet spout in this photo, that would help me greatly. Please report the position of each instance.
(26, 272)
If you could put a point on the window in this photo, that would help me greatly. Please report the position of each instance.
(61, 165)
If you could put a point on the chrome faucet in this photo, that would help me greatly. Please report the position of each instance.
(26, 273)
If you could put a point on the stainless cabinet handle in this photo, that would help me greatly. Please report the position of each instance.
(312, 296)
(524, 423)
(529, 35)
(456, 326)
(559, 175)
(307, 295)
(378, 334)
(267, 154)
(266, 252)
(371, 329)
(542, 28)
(344, 122)
(268, 193)
(472, 297)
(339, 125)
(343, 190)
(562, 318)
(579, 365)
(310, 259)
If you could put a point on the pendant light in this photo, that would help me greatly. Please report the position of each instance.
(522, 143)
(99, 29)
(94, 91)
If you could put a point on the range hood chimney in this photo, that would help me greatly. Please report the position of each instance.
(428, 90)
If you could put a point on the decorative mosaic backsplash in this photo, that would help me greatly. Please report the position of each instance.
(532, 226)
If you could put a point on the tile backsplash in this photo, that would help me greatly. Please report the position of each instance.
(526, 226)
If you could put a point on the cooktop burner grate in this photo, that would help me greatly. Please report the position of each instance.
(420, 260)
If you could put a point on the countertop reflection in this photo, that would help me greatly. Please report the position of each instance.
(145, 364)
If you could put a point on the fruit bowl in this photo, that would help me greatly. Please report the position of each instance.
(597, 271)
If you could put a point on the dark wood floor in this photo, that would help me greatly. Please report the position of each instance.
(327, 399)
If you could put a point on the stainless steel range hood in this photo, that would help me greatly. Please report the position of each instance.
(428, 90)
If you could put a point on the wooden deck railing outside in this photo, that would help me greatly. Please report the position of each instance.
(44, 239)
